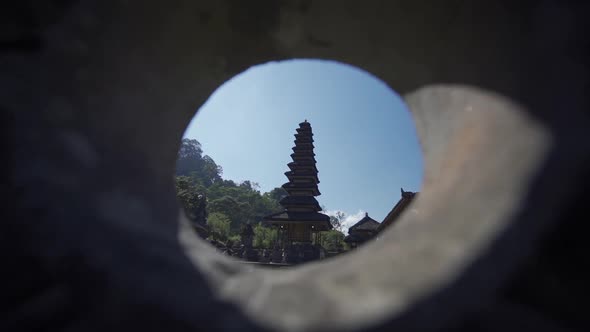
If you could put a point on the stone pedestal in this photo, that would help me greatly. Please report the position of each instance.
(276, 255)
(239, 252)
(251, 255)
(265, 258)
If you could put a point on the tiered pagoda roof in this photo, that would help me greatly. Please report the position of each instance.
(300, 205)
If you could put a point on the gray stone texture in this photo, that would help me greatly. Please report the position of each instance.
(95, 96)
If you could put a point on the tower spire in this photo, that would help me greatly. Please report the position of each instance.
(303, 174)
(300, 216)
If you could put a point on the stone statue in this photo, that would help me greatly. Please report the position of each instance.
(277, 254)
(247, 236)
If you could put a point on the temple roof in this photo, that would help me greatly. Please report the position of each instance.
(299, 156)
(314, 218)
(365, 224)
(400, 206)
(305, 201)
(303, 143)
(303, 148)
(302, 173)
(290, 186)
(304, 136)
(302, 163)
(304, 131)
(314, 179)
(357, 238)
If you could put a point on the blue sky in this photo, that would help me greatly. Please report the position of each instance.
(365, 140)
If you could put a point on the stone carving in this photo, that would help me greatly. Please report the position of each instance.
(247, 236)
(265, 258)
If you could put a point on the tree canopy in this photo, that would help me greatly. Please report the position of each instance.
(333, 240)
(219, 225)
(201, 189)
(191, 162)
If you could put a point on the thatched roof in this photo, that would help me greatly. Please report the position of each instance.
(365, 224)
(293, 186)
(319, 220)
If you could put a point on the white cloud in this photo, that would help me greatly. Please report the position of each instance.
(349, 219)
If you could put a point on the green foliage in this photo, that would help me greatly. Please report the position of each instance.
(229, 206)
(242, 203)
(202, 169)
(189, 157)
(337, 219)
(264, 237)
(201, 189)
(333, 240)
(192, 198)
(234, 239)
(276, 194)
(210, 172)
(219, 225)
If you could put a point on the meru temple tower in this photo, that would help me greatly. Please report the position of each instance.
(300, 223)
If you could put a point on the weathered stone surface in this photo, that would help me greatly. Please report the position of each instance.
(96, 94)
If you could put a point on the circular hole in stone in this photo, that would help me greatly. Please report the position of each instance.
(345, 139)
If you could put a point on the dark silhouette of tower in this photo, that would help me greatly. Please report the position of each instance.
(300, 221)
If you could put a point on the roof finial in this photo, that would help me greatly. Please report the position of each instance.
(305, 120)
(403, 192)
(366, 214)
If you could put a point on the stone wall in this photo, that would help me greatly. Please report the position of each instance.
(95, 97)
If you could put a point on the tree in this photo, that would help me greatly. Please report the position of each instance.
(192, 198)
(250, 186)
(189, 148)
(333, 240)
(219, 225)
(210, 172)
(191, 162)
(276, 194)
(238, 211)
(264, 237)
(189, 157)
(337, 219)
(201, 188)
(234, 240)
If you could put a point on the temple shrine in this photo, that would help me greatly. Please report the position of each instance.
(361, 232)
(300, 223)
(367, 228)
